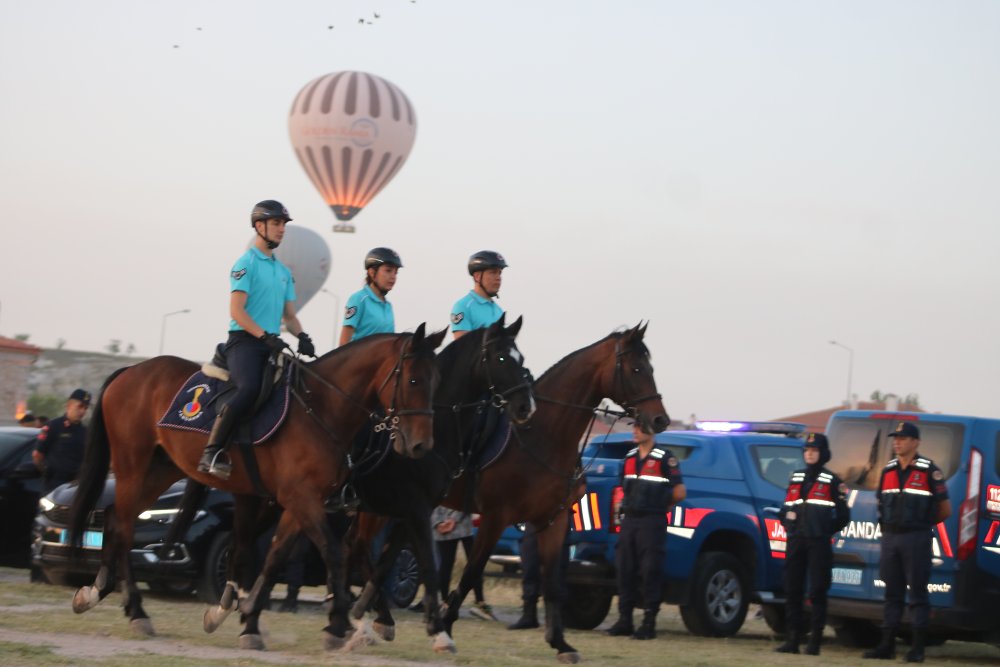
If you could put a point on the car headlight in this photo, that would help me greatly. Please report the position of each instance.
(166, 515)
(44, 504)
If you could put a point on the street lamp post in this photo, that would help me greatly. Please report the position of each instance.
(163, 326)
(336, 314)
(850, 367)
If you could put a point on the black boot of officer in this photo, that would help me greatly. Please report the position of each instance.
(623, 626)
(647, 629)
(815, 639)
(529, 617)
(886, 649)
(916, 652)
(791, 644)
(215, 461)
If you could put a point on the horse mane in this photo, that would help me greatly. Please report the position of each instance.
(360, 343)
(614, 334)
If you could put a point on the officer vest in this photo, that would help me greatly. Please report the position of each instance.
(812, 515)
(908, 507)
(649, 489)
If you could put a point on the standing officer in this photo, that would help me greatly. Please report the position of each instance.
(261, 294)
(477, 309)
(815, 508)
(912, 498)
(652, 484)
(368, 311)
(59, 449)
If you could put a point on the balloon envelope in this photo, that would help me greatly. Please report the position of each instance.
(352, 132)
(308, 256)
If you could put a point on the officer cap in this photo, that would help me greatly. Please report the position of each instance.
(819, 441)
(376, 257)
(486, 259)
(267, 209)
(81, 395)
(906, 430)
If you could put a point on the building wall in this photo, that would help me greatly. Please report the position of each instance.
(15, 369)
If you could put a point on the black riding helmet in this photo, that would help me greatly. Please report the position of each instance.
(376, 257)
(486, 259)
(267, 209)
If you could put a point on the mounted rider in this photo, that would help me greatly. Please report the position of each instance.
(368, 311)
(262, 292)
(478, 309)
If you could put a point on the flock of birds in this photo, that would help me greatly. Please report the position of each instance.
(361, 21)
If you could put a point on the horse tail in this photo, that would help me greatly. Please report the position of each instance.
(94, 471)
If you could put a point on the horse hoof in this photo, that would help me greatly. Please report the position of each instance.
(443, 643)
(251, 643)
(568, 658)
(386, 632)
(85, 598)
(359, 639)
(141, 627)
(332, 642)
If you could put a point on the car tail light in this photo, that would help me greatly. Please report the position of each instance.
(968, 513)
(476, 518)
(614, 519)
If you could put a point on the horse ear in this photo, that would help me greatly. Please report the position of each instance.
(642, 331)
(418, 336)
(515, 327)
(496, 327)
(436, 338)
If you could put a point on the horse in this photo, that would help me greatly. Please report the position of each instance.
(302, 464)
(481, 369)
(540, 475)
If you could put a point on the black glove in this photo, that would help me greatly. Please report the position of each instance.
(274, 342)
(306, 346)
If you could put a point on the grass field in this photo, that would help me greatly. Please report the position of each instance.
(38, 629)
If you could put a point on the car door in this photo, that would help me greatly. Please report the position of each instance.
(772, 461)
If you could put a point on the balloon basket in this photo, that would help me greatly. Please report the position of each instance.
(345, 228)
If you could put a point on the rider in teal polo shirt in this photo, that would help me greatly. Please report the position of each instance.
(477, 309)
(367, 311)
(262, 293)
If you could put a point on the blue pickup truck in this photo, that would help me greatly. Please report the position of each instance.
(725, 545)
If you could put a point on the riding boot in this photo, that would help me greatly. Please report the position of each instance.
(529, 617)
(291, 602)
(623, 626)
(815, 639)
(791, 644)
(647, 629)
(916, 652)
(886, 649)
(215, 461)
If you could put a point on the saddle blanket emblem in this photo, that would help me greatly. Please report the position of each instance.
(193, 408)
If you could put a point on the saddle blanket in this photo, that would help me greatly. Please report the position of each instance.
(497, 442)
(194, 408)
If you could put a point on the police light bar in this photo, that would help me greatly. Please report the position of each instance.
(778, 428)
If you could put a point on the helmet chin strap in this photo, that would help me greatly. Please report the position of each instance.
(271, 245)
(479, 282)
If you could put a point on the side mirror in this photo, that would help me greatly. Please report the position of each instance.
(25, 471)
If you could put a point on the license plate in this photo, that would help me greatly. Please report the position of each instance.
(91, 539)
(846, 575)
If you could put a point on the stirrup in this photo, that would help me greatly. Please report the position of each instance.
(220, 466)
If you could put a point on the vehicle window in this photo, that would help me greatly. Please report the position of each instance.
(681, 452)
(858, 451)
(996, 457)
(942, 443)
(9, 442)
(776, 464)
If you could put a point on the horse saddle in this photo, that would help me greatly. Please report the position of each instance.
(195, 405)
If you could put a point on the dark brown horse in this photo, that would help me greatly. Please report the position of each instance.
(476, 371)
(539, 476)
(304, 463)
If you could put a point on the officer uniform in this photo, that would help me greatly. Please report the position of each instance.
(473, 311)
(648, 484)
(61, 442)
(815, 508)
(908, 500)
(367, 314)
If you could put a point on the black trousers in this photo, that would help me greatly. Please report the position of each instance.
(447, 549)
(531, 567)
(807, 559)
(639, 556)
(906, 560)
(246, 357)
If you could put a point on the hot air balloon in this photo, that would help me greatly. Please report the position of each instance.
(352, 132)
(307, 255)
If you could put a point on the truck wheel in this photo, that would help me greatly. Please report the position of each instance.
(856, 632)
(586, 606)
(774, 616)
(403, 580)
(719, 599)
(181, 588)
(213, 577)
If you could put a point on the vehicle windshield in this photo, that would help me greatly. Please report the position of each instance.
(11, 441)
(776, 464)
(860, 448)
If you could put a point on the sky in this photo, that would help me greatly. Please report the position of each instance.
(754, 179)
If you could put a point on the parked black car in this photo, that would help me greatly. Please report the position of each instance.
(199, 563)
(20, 487)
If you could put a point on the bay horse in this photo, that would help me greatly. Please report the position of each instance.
(302, 464)
(539, 476)
(481, 369)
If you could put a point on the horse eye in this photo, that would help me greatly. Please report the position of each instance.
(501, 359)
(636, 370)
(413, 381)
